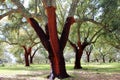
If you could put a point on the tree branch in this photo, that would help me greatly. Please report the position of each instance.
(35, 52)
(40, 32)
(73, 8)
(9, 12)
(64, 36)
(90, 20)
(95, 34)
(73, 45)
(22, 9)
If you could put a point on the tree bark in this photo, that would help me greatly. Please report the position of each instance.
(52, 44)
(31, 60)
(32, 56)
(78, 57)
(52, 28)
(27, 60)
(78, 53)
(56, 65)
(103, 58)
(26, 55)
(88, 58)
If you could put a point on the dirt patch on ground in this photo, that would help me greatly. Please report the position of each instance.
(82, 75)
(76, 75)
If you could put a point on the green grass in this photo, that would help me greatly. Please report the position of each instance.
(104, 67)
(22, 67)
(40, 71)
(93, 67)
(97, 67)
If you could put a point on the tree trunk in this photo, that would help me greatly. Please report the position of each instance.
(79, 53)
(31, 60)
(52, 28)
(27, 60)
(61, 66)
(78, 57)
(54, 46)
(88, 58)
(26, 55)
(32, 56)
(97, 60)
(103, 59)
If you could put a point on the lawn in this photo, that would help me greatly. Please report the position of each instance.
(106, 71)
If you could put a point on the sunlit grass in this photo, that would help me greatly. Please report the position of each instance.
(93, 67)
(98, 67)
(40, 71)
(103, 67)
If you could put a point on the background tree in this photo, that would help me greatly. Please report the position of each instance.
(88, 51)
(94, 12)
(20, 35)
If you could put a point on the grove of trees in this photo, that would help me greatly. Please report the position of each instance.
(91, 28)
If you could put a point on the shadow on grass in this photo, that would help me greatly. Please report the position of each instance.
(35, 74)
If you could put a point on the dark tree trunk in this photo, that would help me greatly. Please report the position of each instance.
(31, 60)
(27, 60)
(78, 57)
(97, 60)
(79, 52)
(88, 58)
(103, 59)
(63, 73)
(26, 55)
(60, 66)
(32, 56)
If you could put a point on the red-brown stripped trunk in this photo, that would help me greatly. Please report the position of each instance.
(52, 28)
(26, 55)
(55, 54)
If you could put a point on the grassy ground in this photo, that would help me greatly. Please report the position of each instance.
(90, 71)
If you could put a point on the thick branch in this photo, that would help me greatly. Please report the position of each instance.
(64, 36)
(34, 52)
(39, 32)
(73, 45)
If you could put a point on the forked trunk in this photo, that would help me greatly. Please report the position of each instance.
(26, 55)
(32, 56)
(52, 44)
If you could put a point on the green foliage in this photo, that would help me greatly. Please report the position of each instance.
(107, 67)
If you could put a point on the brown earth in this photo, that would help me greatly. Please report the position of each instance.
(75, 75)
